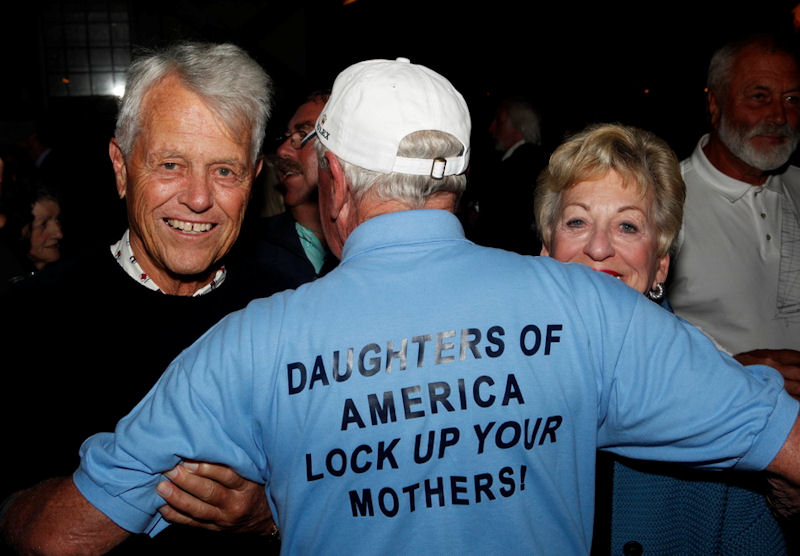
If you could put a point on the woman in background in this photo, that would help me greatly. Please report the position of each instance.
(612, 198)
(32, 232)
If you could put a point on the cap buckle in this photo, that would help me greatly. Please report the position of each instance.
(438, 168)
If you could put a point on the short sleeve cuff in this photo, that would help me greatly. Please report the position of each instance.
(116, 509)
(774, 435)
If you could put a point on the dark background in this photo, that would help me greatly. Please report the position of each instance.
(640, 63)
(580, 62)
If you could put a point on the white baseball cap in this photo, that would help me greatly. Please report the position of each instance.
(376, 103)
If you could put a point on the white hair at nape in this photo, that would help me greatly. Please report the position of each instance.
(233, 84)
(411, 190)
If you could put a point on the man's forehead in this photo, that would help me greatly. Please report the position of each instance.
(306, 115)
(176, 118)
(758, 67)
(301, 125)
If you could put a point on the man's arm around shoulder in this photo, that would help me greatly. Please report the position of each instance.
(53, 517)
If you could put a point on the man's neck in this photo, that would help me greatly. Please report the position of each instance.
(167, 282)
(186, 286)
(307, 215)
(729, 164)
(370, 207)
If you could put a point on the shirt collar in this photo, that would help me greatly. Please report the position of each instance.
(730, 188)
(403, 227)
(123, 254)
(312, 246)
(513, 148)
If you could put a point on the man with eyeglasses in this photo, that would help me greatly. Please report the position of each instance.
(291, 243)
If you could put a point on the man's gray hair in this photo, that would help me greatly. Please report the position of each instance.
(234, 85)
(409, 189)
(720, 68)
(523, 118)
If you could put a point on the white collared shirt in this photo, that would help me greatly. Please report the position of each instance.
(124, 256)
(725, 276)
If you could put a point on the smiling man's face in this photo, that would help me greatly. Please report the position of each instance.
(187, 182)
(759, 120)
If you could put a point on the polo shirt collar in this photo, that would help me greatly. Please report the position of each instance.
(403, 227)
(730, 188)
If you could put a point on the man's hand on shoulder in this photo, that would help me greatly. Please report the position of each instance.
(785, 361)
(214, 497)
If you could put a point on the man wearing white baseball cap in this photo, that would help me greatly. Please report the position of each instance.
(446, 398)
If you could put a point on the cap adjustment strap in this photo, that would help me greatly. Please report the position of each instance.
(436, 168)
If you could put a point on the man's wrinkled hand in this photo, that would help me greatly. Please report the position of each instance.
(785, 361)
(215, 497)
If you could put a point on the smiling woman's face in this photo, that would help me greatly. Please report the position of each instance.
(45, 233)
(609, 227)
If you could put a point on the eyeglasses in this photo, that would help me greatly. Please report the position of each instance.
(297, 139)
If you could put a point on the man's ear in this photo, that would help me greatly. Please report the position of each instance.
(340, 194)
(120, 170)
(714, 109)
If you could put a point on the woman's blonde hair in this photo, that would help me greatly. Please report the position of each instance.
(638, 156)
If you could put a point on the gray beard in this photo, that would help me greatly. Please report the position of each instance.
(738, 142)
